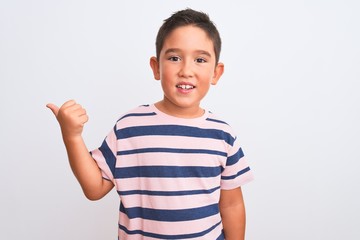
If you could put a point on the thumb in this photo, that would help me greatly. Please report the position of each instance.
(53, 108)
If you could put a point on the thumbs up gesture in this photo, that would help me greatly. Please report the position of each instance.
(71, 117)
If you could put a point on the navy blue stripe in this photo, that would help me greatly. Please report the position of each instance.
(168, 193)
(163, 236)
(170, 215)
(215, 120)
(108, 155)
(137, 115)
(221, 237)
(235, 158)
(236, 175)
(174, 130)
(167, 172)
(172, 150)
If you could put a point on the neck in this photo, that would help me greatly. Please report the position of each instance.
(181, 112)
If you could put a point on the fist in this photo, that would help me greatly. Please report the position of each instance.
(71, 117)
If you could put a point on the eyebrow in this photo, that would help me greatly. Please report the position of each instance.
(175, 50)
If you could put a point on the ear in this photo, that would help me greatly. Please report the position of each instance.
(154, 64)
(218, 72)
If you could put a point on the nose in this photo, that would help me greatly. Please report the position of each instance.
(186, 70)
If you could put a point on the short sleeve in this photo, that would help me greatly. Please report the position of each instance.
(237, 171)
(105, 155)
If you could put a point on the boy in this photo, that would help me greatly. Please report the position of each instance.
(177, 168)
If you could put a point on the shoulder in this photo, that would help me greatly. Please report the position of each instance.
(218, 122)
(136, 115)
(142, 110)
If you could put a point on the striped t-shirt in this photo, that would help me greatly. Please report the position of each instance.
(168, 172)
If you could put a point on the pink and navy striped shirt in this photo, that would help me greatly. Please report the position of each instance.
(169, 171)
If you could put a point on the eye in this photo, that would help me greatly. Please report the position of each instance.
(174, 58)
(200, 60)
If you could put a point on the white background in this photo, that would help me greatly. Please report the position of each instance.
(291, 90)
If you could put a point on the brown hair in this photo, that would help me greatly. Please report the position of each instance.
(189, 17)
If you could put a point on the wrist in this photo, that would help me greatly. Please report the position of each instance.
(72, 139)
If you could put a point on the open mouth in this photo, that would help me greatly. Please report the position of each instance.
(185, 86)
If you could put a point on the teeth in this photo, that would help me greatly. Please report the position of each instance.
(182, 86)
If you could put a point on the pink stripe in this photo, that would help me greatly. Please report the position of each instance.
(168, 184)
(173, 228)
(165, 119)
(111, 141)
(234, 148)
(101, 162)
(99, 158)
(170, 159)
(170, 202)
(240, 181)
(234, 169)
(172, 142)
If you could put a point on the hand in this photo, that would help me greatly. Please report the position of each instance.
(71, 117)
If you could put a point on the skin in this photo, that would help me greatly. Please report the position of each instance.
(72, 117)
(232, 210)
(187, 57)
(186, 60)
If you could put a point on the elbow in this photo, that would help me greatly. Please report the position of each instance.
(97, 191)
(93, 196)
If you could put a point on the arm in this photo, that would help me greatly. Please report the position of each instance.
(232, 210)
(72, 117)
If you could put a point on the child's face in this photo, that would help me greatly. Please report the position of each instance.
(187, 67)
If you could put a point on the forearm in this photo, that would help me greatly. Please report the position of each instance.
(72, 117)
(234, 220)
(85, 168)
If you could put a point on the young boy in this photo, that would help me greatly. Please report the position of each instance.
(177, 168)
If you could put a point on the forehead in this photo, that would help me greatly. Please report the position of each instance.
(188, 38)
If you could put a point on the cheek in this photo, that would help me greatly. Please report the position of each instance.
(170, 75)
(166, 71)
(206, 77)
